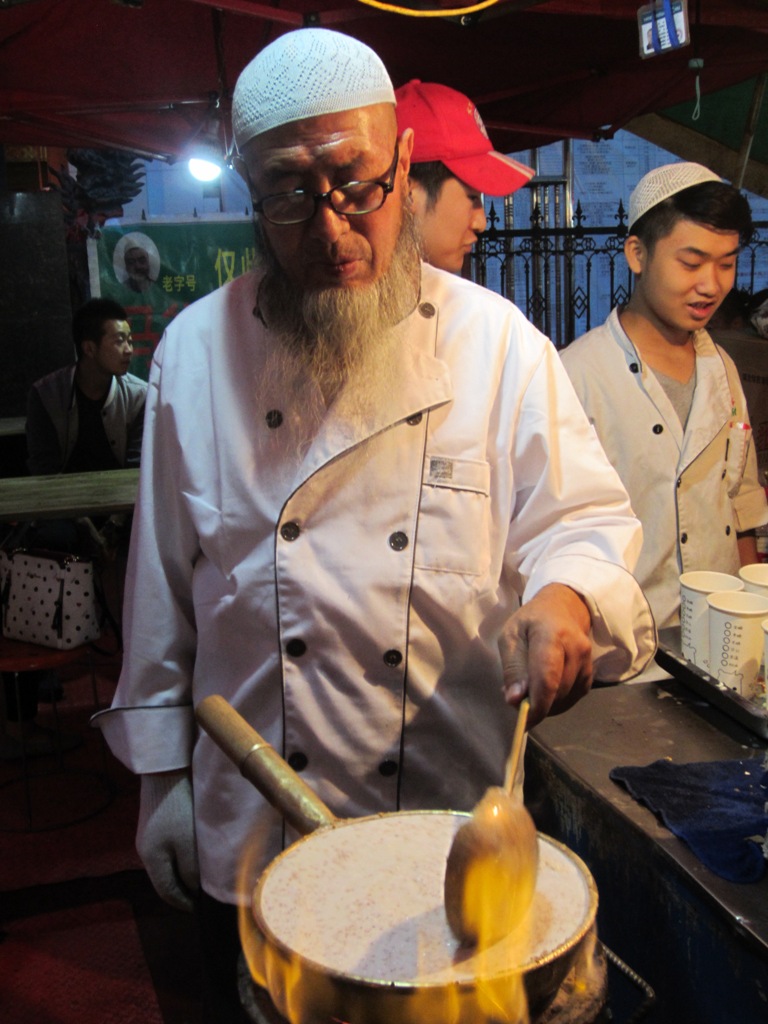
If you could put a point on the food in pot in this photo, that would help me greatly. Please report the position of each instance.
(364, 900)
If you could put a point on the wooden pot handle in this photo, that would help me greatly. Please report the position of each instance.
(262, 765)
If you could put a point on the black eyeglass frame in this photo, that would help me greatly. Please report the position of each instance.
(387, 186)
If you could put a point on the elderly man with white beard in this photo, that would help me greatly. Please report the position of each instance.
(371, 511)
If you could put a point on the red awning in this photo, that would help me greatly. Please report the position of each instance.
(141, 74)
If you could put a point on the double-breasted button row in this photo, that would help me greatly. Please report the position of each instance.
(296, 647)
(291, 531)
(298, 760)
(684, 536)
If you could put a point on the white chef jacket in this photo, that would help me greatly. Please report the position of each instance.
(693, 489)
(347, 597)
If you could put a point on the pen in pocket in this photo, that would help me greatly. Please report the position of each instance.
(736, 447)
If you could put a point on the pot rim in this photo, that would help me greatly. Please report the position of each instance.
(466, 984)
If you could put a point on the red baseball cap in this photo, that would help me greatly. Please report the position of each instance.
(447, 127)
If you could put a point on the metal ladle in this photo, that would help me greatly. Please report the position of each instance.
(490, 875)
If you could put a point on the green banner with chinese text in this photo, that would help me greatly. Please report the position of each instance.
(155, 270)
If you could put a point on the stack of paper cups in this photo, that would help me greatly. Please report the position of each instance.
(736, 640)
(755, 578)
(695, 587)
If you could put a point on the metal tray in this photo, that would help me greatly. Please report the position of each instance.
(746, 712)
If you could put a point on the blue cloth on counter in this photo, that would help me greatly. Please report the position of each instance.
(716, 807)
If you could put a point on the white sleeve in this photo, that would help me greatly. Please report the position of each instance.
(150, 726)
(749, 502)
(573, 522)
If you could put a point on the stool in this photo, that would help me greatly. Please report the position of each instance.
(16, 658)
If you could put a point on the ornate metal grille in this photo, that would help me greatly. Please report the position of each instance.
(565, 277)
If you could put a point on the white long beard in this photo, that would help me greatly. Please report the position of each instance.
(334, 338)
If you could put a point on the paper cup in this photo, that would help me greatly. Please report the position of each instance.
(736, 640)
(755, 578)
(694, 621)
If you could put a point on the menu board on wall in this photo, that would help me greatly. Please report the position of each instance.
(155, 270)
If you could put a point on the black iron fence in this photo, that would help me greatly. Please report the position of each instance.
(566, 279)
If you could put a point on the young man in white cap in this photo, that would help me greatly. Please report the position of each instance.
(453, 163)
(667, 402)
(356, 470)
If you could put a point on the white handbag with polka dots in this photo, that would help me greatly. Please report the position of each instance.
(48, 598)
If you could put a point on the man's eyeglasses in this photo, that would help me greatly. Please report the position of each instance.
(350, 200)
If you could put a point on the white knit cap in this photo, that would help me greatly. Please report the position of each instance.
(306, 73)
(663, 182)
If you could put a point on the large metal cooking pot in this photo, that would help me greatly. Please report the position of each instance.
(348, 923)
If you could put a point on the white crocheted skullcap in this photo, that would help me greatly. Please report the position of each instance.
(663, 182)
(306, 73)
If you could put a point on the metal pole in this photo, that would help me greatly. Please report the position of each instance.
(568, 175)
(749, 131)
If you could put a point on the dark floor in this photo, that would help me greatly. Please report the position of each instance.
(89, 861)
(167, 937)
